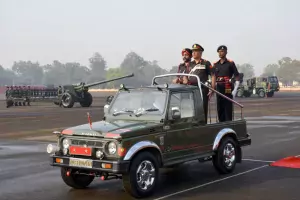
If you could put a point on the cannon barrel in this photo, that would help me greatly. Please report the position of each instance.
(106, 81)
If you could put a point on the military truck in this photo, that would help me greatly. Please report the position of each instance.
(68, 95)
(257, 86)
(143, 130)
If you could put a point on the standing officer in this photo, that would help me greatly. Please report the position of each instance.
(185, 66)
(224, 70)
(201, 68)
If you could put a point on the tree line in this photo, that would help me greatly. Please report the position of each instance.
(57, 73)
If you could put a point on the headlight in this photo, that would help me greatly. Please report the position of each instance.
(66, 143)
(52, 148)
(112, 148)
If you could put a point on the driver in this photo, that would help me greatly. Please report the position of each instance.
(185, 66)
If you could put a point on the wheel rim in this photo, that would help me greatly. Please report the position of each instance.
(145, 175)
(261, 94)
(229, 155)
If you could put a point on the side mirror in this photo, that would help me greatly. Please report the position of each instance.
(109, 99)
(176, 113)
(106, 107)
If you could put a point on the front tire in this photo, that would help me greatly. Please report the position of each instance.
(225, 159)
(76, 181)
(143, 175)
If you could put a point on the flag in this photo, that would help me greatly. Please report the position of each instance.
(89, 120)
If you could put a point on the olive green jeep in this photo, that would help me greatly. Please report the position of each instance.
(143, 130)
(260, 86)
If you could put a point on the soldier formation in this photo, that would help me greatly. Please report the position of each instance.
(23, 95)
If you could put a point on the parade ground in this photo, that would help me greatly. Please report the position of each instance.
(274, 125)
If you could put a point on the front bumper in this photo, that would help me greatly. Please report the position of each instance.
(245, 141)
(118, 167)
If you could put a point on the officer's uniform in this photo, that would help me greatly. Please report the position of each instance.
(7, 92)
(203, 72)
(224, 73)
(184, 67)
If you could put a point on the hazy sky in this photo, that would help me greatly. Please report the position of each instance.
(257, 31)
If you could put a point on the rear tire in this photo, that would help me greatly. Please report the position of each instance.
(225, 158)
(143, 175)
(76, 181)
(261, 93)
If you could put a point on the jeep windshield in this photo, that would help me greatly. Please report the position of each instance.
(138, 103)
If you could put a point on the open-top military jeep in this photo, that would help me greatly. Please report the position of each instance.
(145, 129)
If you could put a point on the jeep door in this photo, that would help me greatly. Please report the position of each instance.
(182, 139)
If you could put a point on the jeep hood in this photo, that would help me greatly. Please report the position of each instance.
(114, 129)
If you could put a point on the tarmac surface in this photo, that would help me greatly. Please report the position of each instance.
(274, 125)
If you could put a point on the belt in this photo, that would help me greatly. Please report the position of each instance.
(223, 79)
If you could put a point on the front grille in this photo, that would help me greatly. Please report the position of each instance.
(88, 143)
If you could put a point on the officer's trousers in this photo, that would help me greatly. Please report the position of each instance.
(224, 107)
(205, 101)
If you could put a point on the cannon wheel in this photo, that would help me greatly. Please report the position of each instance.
(87, 101)
(67, 100)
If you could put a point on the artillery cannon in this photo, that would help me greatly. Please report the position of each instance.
(70, 94)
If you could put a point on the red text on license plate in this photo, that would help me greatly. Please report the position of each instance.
(84, 151)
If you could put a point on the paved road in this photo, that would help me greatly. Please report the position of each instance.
(274, 125)
(277, 94)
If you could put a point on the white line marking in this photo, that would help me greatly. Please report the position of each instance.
(209, 183)
(265, 161)
(297, 156)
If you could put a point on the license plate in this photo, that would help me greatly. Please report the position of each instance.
(83, 151)
(76, 162)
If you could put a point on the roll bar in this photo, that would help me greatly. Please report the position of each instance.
(199, 83)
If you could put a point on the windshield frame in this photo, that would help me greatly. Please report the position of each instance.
(144, 117)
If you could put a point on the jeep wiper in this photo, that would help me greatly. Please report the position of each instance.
(122, 112)
(146, 110)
